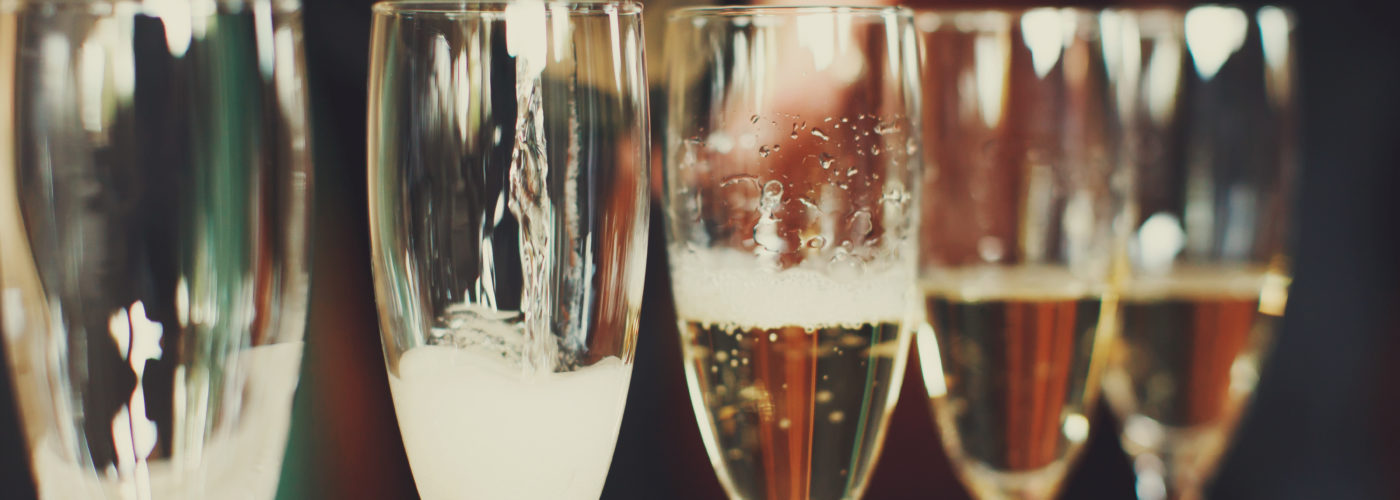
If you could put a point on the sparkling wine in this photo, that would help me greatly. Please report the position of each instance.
(792, 376)
(1189, 356)
(476, 426)
(1017, 355)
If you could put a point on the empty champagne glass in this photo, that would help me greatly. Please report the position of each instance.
(1018, 241)
(154, 203)
(508, 160)
(1208, 99)
(792, 156)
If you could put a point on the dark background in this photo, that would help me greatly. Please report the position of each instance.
(1325, 424)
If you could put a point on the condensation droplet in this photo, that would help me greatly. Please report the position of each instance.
(851, 172)
(784, 424)
(875, 150)
(911, 146)
(825, 159)
(816, 242)
(764, 150)
(818, 133)
(887, 128)
(721, 356)
(837, 417)
(772, 190)
(861, 226)
(773, 337)
(753, 119)
(824, 396)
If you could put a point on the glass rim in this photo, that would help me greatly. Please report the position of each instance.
(496, 8)
(927, 20)
(1162, 19)
(732, 11)
(109, 7)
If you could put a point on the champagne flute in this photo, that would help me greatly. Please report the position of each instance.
(154, 210)
(1021, 198)
(1208, 99)
(791, 163)
(508, 161)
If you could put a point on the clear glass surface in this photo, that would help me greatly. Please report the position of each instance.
(508, 177)
(1208, 100)
(1018, 241)
(155, 183)
(792, 161)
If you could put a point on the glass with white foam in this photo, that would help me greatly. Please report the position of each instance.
(508, 162)
(792, 158)
(155, 176)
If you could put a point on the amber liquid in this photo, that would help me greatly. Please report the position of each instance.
(793, 412)
(1188, 359)
(1017, 378)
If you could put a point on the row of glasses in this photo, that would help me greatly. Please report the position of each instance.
(1044, 197)
(1104, 204)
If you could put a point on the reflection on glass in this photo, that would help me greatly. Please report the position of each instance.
(1207, 98)
(508, 160)
(1018, 241)
(154, 201)
(791, 155)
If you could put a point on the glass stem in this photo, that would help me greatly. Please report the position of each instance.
(1159, 479)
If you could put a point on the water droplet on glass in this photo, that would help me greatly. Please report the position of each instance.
(875, 150)
(772, 189)
(837, 417)
(824, 158)
(819, 134)
(887, 128)
(845, 120)
(816, 242)
(911, 146)
(784, 424)
(824, 396)
(851, 172)
(772, 337)
(753, 119)
(764, 150)
(861, 226)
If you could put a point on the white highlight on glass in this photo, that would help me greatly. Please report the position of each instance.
(526, 21)
(1043, 33)
(1159, 240)
(1076, 428)
(931, 361)
(992, 55)
(1213, 34)
(1275, 30)
(133, 434)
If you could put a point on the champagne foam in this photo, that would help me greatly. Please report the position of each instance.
(984, 283)
(474, 426)
(1201, 282)
(731, 289)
